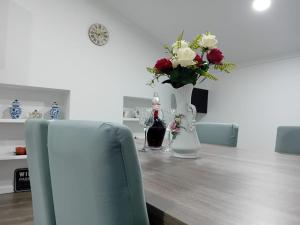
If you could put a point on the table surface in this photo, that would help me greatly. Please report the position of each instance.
(225, 186)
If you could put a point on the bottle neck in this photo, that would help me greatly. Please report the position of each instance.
(155, 114)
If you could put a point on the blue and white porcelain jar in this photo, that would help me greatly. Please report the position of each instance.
(55, 111)
(15, 110)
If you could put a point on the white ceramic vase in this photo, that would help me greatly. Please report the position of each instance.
(186, 143)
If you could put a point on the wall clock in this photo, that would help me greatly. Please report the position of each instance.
(98, 34)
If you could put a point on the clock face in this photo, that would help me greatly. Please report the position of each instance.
(98, 34)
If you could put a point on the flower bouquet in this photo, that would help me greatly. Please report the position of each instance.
(188, 62)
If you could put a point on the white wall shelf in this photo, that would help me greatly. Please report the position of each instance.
(131, 103)
(21, 121)
(8, 153)
(11, 156)
(32, 98)
(12, 130)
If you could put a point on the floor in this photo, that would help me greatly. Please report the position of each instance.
(16, 209)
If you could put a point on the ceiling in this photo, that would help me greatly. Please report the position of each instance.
(244, 35)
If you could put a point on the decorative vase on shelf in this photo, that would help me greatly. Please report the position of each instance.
(55, 111)
(15, 110)
(185, 142)
(35, 114)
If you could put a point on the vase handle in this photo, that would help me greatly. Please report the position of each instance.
(194, 112)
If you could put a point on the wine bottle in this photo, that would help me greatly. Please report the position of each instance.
(156, 132)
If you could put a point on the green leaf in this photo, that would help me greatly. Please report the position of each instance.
(181, 76)
(205, 66)
(180, 37)
(152, 70)
(195, 43)
(151, 83)
(209, 76)
(168, 48)
(225, 67)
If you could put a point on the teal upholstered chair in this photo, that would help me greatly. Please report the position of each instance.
(38, 164)
(217, 133)
(95, 173)
(288, 139)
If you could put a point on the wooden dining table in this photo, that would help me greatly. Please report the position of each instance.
(224, 186)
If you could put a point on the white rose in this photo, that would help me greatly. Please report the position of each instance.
(185, 57)
(179, 44)
(208, 41)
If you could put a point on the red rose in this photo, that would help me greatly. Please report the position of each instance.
(198, 59)
(215, 56)
(163, 65)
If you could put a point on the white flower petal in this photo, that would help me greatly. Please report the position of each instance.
(179, 44)
(208, 41)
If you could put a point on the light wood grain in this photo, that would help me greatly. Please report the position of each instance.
(225, 186)
(16, 209)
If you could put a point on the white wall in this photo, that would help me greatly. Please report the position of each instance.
(259, 98)
(46, 44)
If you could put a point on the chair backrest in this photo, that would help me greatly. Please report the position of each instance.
(36, 132)
(95, 174)
(218, 133)
(288, 139)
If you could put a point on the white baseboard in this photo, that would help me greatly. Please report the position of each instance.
(6, 189)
